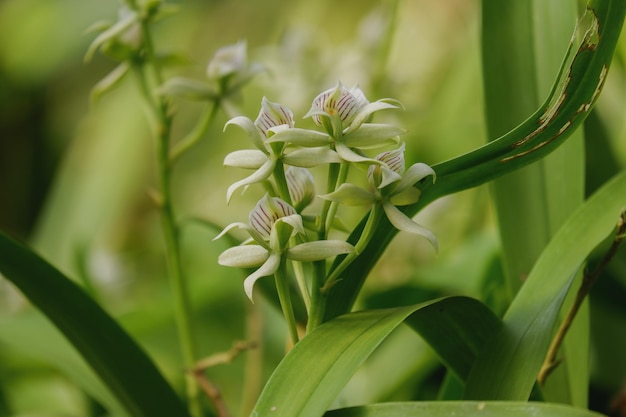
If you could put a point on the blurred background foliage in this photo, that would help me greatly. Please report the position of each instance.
(75, 182)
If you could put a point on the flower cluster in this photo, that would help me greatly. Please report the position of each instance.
(282, 154)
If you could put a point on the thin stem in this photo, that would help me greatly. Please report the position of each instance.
(168, 223)
(333, 173)
(281, 182)
(364, 239)
(332, 210)
(196, 134)
(282, 286)
(550, 363)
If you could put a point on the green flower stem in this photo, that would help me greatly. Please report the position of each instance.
(282, 286)
(318, 304)
(333, 174)
(168, 222)
(318, 301)
(332, 210)
(281, 182)
(196, 134)
(364, 239)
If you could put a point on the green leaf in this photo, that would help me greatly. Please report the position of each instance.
(506, 369)
(310, 377)
(574, 92)
(119, 362)
(465, 409)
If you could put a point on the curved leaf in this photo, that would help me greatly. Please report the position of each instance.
(465, 409)
(507, 368)
(313, 373)
(119, 362)
(573, 95)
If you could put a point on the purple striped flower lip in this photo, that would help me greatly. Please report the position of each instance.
(267, 211)
(338, 101)
(273, 115)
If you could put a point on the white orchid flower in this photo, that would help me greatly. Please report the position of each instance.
(272, 119)
(392, 186)
(343, 113)
(272, 224)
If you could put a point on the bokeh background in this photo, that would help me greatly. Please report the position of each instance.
(75, 181)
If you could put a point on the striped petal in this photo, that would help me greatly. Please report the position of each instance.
(273, 115)
(338, 101)
(266, 212)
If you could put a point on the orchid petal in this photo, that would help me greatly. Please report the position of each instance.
(268, 268)
(227, 60)
(414, 174)
(301, 137)
(301, 185)
(410, 195)
(401, 222)
(351, 195)
(311, 157)
(231, 227)
(318, 250)
(272, 115)
(349, 155)
(361, 100)
(259, 175)
(266, 212)
(380, 176)
(372, 136)
(248, 158)
(365, 112)
(335, 101)
(248, 256)
(249, 127)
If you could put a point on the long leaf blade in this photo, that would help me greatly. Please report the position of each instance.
(309, 378)
(584, 69)
(507, 368)
(121, 364)
(465, 409)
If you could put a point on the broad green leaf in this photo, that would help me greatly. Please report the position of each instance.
(506, 369)
(572, 97)
(465, 409)
(313, 373)
(36, 339)
(120, 363)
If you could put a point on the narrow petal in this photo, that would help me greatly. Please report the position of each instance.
(349, 155)
(365, 112)
(248, 256)
(259, 175)
(415, 173)
(248, 158)
(231, 227)
(351, 195)
(318, 250)
(268, 268)
(311, 157)
(301, 137)
(247, 125)
(400, 221)
(372, 136)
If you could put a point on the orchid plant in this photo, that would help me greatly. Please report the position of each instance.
(280, 161)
